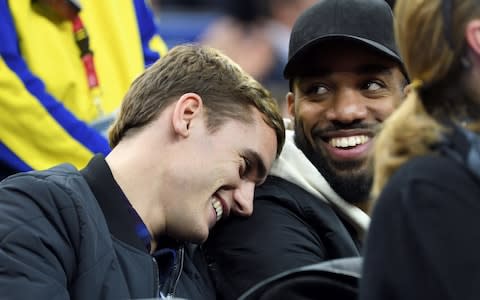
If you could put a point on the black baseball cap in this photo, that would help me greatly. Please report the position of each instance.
(368, 22)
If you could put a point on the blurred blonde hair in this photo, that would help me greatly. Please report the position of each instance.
(434, 63)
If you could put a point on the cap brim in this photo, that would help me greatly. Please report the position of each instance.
(292, 64)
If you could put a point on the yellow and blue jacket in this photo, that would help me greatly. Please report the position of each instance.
(46, 106)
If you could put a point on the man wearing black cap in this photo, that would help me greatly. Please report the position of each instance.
(346, 77)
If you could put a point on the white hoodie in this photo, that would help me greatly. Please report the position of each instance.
(293, 166)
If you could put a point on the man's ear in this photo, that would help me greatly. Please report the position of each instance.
(187, 107)
(472, 36)
(290, 97)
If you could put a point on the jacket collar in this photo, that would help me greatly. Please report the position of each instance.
(463, 145)
(114, 204)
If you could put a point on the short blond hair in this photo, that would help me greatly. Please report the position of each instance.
(227, 92)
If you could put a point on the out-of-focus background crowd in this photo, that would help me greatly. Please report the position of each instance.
(254, 33)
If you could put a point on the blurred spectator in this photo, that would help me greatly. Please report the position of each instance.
(283, 14)
(255, 34)
(241, 34)
(178, 26)
(423, 242)
(64, 70)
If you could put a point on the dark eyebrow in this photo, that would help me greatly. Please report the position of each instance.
(257, 164)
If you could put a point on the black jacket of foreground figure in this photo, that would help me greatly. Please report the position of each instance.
(64, 235)
(424, 239)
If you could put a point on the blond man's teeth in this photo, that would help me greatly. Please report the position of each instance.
(217, 205)
(350, 141)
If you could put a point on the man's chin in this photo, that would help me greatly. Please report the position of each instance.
(351, 180)
(348, 168)
(353, 188)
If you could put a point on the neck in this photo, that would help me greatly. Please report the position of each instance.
(133, 174)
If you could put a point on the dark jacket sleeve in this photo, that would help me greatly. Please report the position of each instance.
(424, 241)
(244, 251)
(36, 251)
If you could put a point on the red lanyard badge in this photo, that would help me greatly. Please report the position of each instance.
(69, 10)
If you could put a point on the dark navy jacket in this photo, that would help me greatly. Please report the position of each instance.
(289, 228)
(66, 234)
(424, 242)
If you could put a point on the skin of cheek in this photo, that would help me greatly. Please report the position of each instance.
(387, 107)
(310, 114)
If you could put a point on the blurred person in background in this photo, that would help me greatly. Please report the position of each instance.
(240, 33)
(180, 22)
(423, 242)
(346, 78)
(255, 34)
(282, 16)
(65, 66)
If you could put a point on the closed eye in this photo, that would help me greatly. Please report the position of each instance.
(253, 168)
(245, 168)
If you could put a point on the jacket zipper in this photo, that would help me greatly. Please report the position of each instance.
(156, 288)
(171, 292)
